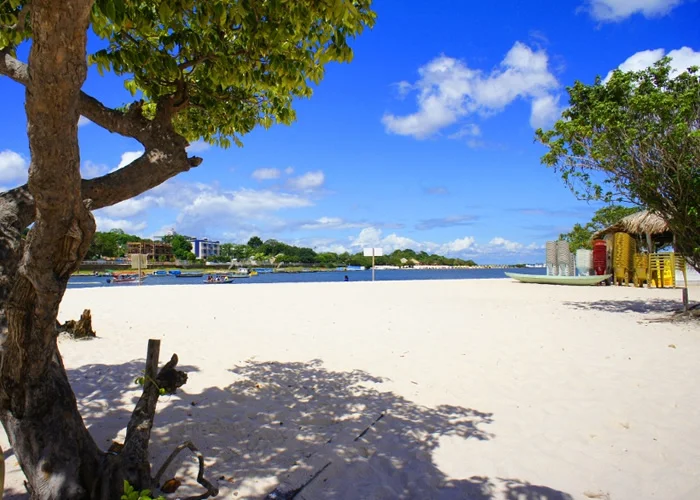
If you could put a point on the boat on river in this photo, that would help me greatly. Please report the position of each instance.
(189, 275)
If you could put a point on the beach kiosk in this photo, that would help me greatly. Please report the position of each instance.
(643, 229)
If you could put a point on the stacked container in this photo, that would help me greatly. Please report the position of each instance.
(551, 263)
(564, 260)
(623, 258)
(600, 257)
(584, 262)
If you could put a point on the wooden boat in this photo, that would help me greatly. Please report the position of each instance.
(126, 279)
(559, 280)
(189, 275)
(218, 282)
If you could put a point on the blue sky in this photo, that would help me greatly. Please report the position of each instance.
(424, 141)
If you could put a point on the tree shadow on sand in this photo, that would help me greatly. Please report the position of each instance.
(279, 421)
(649, 306)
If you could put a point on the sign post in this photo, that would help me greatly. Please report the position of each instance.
(373, 252)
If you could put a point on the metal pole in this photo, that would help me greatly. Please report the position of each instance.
(372, 263)
(140, 250)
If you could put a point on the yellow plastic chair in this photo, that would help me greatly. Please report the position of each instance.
(662, 270)
(624, 248)
(641, 269)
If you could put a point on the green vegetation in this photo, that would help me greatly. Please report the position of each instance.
(580, 236)
(277, 252)
(113, 244)
(182, 248)
(635, 138)
(132, 494)
(110, 244)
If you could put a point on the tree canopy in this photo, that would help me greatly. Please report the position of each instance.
(636, 138)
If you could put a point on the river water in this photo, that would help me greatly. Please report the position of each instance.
(324, 277)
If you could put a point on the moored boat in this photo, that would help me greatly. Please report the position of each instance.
(559, 280)
(189, 275)
(127, 279)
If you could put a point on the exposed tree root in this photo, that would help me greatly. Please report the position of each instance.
(212, 490)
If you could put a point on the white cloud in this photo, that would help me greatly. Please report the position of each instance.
(127, 158)
(289, 170)
(469, 130)
(448, 90)
(90, 170)
(13, 167)
(504, 244)
(681, 60)
(466, 247)
(618, 10)
(206, 208)
(106, 224)
(308, 181)
(82, 121)
(198, 147)
(545, 111)
(459, 245)
(264, 174)
(331, 223)
(133, 206)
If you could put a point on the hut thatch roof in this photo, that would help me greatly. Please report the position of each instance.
(642, 222)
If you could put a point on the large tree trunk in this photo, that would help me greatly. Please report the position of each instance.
(37, 406)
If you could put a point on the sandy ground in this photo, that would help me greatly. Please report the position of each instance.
(477, 389)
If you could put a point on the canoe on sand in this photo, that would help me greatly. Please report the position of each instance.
(559, 280)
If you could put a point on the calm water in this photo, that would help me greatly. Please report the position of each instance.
(382, 275)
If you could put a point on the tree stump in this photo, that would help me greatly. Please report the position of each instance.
(80, 329)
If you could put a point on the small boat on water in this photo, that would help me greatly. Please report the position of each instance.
(126, 279)
(160, 272)
(189, 275)
(217, 280)
(559, 280)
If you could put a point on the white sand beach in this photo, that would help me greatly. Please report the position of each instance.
(485, 388)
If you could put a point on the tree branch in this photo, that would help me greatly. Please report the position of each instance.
(138, 431)
(212, 490)
(131, 123)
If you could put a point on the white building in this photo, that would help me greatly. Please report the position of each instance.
(204, 248)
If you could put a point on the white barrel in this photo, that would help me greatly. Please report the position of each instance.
(563, 258)
(584, 262)
(551, 258)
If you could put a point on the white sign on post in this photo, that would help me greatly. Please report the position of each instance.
(373, 252)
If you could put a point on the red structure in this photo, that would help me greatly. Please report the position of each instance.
(600, 257)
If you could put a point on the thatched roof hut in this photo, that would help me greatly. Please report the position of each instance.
(639, 223)
(643, 225)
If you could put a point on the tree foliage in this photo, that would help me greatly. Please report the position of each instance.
(226, 65)
(182, 246)
(110, 244)
(283, 253)
(581, 234)
(635, 138)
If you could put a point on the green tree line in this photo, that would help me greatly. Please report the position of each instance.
(113, 244)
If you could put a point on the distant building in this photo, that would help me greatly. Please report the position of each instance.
(205, 248)
(156, 250)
